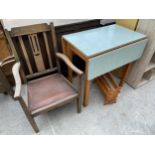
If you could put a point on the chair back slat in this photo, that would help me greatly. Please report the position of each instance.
(25, 54)
(37, 54)
(36, 48)
(47, 49)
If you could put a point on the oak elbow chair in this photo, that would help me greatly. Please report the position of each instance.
(36, 54)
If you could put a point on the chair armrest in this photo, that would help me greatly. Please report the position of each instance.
(7, 60)
(18, 84)
(69, 63)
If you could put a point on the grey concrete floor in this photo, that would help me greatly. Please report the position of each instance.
(134, 113)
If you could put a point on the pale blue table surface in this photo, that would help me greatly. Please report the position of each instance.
(101, 39)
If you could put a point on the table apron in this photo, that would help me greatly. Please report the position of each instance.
(107, 62)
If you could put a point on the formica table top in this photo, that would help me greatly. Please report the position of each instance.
(99, 40)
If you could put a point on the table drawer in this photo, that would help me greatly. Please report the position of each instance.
(109, 61)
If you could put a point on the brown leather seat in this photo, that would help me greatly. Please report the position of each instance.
(48, 90)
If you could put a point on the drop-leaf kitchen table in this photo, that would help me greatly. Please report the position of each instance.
(104, 49)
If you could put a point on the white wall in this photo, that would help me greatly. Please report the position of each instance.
(10, 23)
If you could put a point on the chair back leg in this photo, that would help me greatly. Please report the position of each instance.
(80, 98)
(28, 115)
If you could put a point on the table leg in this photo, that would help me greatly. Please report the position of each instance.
(86, 87)
(86, 92)
(68, 52)
(125, 73)
(70, 72)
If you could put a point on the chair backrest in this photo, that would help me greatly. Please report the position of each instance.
(35, 47)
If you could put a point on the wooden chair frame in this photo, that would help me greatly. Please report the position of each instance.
(18, 73)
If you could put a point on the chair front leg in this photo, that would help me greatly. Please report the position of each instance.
(80, 98)
(28, 115)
